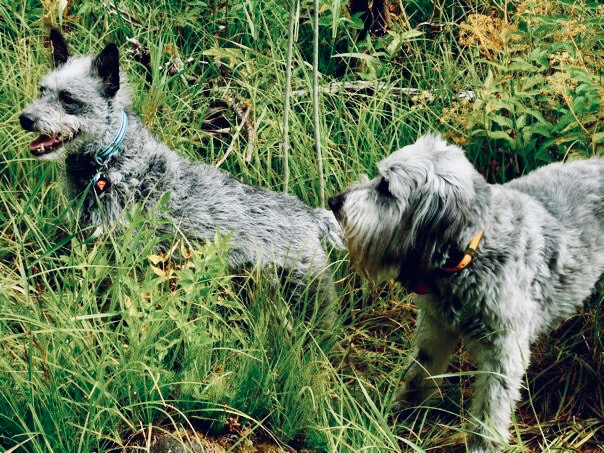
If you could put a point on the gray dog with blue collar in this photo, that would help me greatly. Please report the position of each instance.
(84, 115)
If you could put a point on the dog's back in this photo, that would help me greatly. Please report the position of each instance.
(572, 192)
(568, 204)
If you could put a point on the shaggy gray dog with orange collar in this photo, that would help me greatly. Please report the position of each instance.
(499, 264)
(85, 118)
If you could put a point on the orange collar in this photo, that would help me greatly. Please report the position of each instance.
(468, 256)
(420, 286)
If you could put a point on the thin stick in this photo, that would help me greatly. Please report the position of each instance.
(245, 122)
(288, 89)
(315, 101)
(235, 137)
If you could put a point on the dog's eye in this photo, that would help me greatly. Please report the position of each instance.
(67, 99)
(383, 188)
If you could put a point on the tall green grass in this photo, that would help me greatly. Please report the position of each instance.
(105, 343)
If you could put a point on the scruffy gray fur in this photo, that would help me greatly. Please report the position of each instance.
(540, 257)
(78, 114)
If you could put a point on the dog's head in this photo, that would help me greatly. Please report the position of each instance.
(426, 199)
(80, 102)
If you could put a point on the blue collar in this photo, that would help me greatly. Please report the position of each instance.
(105, 154)
(100, 181)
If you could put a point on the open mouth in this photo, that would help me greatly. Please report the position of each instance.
(44, 144)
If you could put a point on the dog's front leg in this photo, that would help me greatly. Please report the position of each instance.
(434, 345)
(502, 363)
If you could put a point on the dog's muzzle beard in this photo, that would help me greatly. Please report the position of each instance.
(366, 241)
(44, 144)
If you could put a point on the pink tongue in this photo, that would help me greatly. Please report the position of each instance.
(43, 144)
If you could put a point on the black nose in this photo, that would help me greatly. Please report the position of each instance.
(27, 122)
(336, 202)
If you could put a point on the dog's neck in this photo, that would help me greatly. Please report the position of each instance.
(457, 262)
(90, 167)
(468, 255)
(104, 154)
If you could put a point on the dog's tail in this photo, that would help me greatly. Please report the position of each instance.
(330, 228)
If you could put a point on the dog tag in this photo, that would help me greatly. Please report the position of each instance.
(101, 183)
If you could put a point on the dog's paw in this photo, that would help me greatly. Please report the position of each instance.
(413, 390)
(402, 407)
(485, 447)
(409, 396)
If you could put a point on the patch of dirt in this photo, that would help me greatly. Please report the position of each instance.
(184, 441)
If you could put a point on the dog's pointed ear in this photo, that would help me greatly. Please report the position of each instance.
(107, 65)
(60, 52)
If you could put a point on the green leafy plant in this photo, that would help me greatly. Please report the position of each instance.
(542, 98)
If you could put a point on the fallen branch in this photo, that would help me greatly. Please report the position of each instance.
(337, 87)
